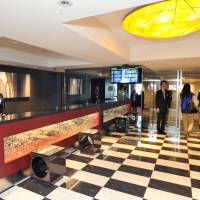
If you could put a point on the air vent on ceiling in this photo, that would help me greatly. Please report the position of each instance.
(65, 3)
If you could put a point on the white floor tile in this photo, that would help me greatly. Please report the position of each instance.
(153, 139)
(105, 164)
(145, 154)
(20, 194)
(110, 139)
(150, 146)
(176, 154)
(75, 164)
(170, 163)
(63, 194)
(115, 154)
(171, 178)
(154, 194)
(131, 178)
(196, 193)
(109, 194)
(105, 147)
(192, 152)
(195, 175)
(139, 164)
(194, 162)
(91, 178)
(194, 145)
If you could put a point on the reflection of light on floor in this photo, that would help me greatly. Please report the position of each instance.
(152, 137)
(139, 122)
(139, 143)
(174, 139)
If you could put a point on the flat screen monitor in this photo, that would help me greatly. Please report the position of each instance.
(126, 75)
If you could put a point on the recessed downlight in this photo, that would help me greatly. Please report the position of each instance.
(65, 3)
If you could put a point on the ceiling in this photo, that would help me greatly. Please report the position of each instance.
(88, 34)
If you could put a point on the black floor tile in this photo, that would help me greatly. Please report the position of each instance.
(175, 149)
(173, 158)
(117, 136)
(111, 158)
(151, 142)
(135, 170)
(171, 187)
(86, 188)
(130, 142)
(195, 168)
(133, 135)
(107, 143)
(194, 157)
(174, 142)
(195, 183)
(194, 148)
(147, 150)
(193, 142)
(172, 170)
(59, 161)
(70, 171)
(79, 158)
(37, 186)
(99, 170)
(120, 150)
(125, 187)
(142, 158)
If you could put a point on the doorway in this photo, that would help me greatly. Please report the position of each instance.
(151, 84)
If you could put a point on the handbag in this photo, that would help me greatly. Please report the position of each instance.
(192, 108)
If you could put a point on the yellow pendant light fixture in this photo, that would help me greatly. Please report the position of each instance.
(166, 19)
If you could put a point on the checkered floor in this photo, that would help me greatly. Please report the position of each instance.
(132, 166)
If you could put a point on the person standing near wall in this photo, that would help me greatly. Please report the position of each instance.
(2, 105)
(133, 100)
(162, 106)
(96, 95)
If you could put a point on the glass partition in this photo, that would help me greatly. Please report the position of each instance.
(151, 85)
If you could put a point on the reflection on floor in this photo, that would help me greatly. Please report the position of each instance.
(132, 166)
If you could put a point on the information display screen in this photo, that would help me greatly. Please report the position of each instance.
(126, 75)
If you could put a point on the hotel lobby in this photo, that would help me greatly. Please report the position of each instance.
(92, 100)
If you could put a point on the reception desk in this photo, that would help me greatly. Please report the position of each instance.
(21, 134)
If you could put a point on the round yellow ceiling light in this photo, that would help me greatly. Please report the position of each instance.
(166, 19)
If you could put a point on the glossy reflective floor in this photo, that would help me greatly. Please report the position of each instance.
(132, 166)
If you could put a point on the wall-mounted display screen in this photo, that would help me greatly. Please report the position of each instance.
(126, 75)
(75, 86)
(14, 85)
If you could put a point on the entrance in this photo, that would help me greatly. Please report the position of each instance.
(151, 83)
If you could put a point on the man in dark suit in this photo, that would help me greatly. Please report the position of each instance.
(162, 106)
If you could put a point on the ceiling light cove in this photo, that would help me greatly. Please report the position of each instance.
(166, 19)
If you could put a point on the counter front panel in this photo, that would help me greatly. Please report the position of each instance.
(19, 138)
(22, 144)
